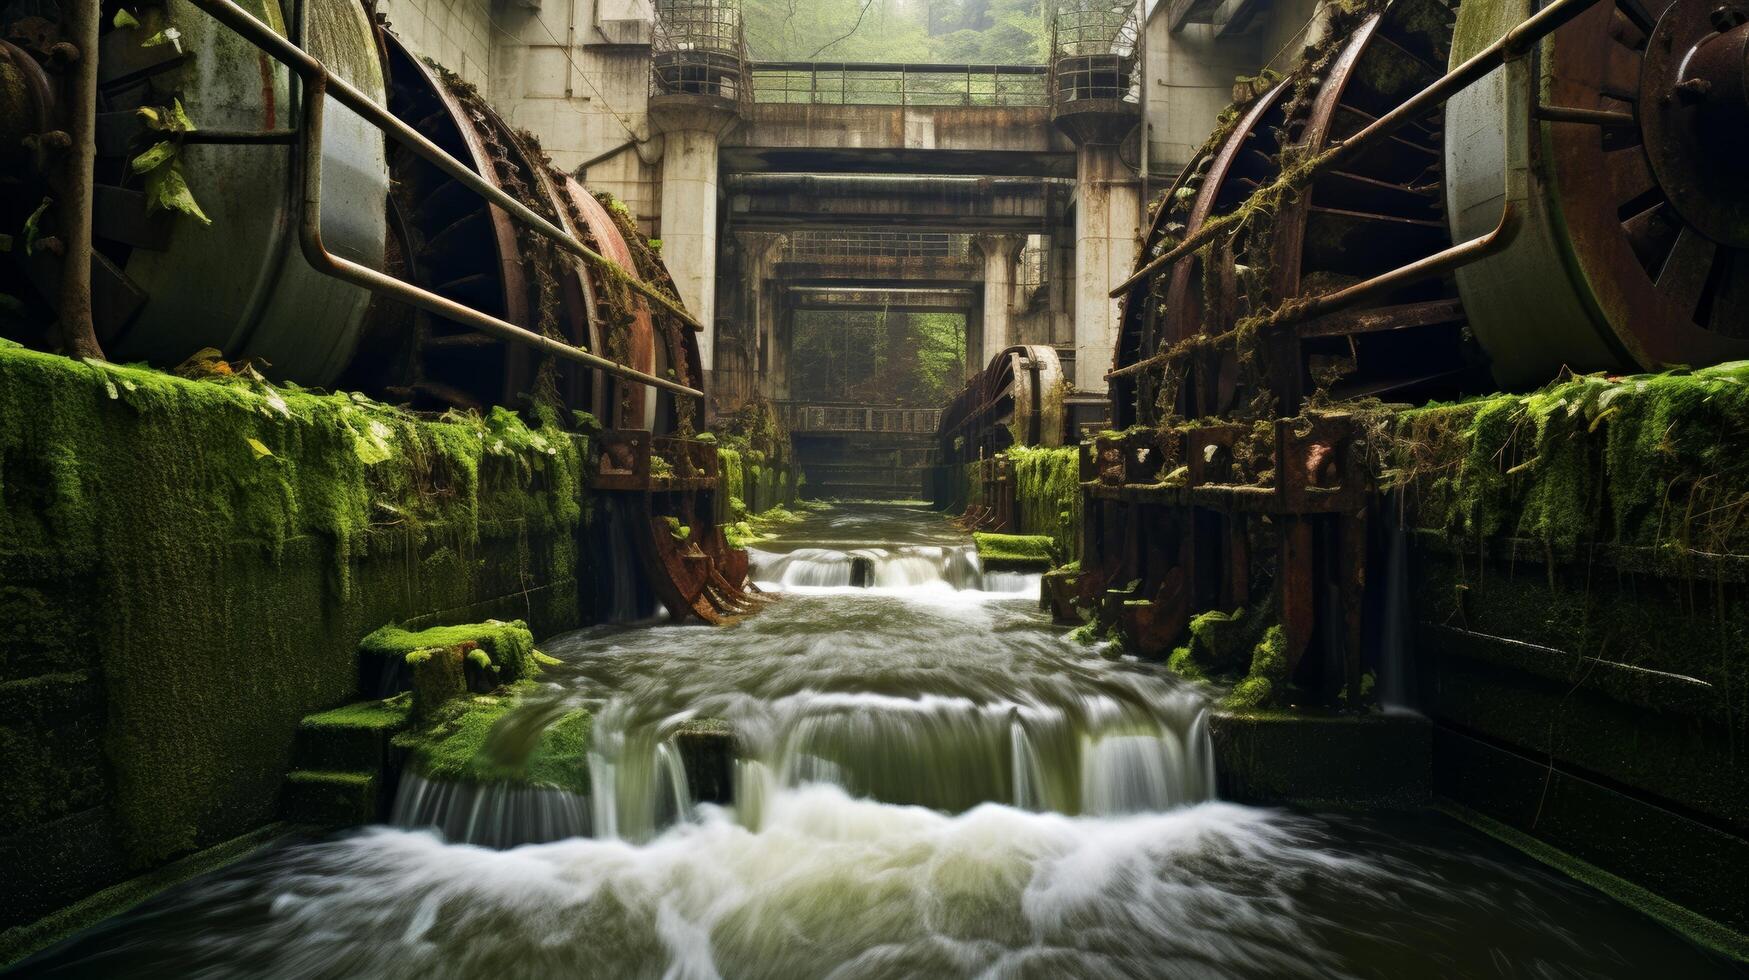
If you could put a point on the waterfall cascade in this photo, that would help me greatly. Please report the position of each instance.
(927, 780)
(902, 673)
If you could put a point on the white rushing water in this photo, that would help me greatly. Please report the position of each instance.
(829, 885)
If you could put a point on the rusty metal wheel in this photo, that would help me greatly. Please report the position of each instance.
(1636, 249)
(1381, 210)
(1160, 314)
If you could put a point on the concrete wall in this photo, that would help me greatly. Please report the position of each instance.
(185, 599)
(1190, 73)
(550, 69)
(1561, 711)
(456, 34)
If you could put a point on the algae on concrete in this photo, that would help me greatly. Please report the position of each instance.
(209, 552)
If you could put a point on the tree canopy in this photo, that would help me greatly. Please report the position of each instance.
(990, 32)
(882, 358)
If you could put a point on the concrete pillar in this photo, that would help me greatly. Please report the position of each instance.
(1108, 209)
(1000, 251)
(691, 135)
(760, 251)
(776, 382)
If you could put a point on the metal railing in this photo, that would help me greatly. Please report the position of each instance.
(1093, 52)
(318, 83)
(843, 417)
(826, 246)
(876, 84)
(1035, 262)
(698, 48)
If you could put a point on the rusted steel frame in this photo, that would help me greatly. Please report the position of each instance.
(1383, 319)
(1437, 264)
(310, 69)
(1589, 117)
(1514, 45)
(1140, 366)
(326, 262)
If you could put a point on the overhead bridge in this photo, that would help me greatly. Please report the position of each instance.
(930, 203)
(884, 119)
(886, 300)
(853, 449)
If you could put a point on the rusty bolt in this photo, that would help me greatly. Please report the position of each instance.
(1692, 90)
(1725, 18)
(63, 53)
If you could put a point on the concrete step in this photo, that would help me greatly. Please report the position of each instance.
(355, 738)
(331, 799)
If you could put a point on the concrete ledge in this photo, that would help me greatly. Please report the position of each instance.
(1323, 760)
(1674, 855)
(26, 940)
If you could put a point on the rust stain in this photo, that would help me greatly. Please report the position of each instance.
(268, 108)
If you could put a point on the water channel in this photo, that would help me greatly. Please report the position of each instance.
(930, 779)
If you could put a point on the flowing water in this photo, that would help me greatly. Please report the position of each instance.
(928, 780)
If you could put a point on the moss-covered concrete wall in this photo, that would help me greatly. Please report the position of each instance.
(1047, 494)
(186, 569)
(1580, 570)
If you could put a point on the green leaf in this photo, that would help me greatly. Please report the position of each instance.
(125, 19)
(159, 153)
(166, 189)
(261, 450)
(103, 372)
(32, 226)
(372, 446)
(170, 118)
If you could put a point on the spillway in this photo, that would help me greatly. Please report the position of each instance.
(927, 780)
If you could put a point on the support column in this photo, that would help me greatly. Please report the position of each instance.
(759, 255)
(782, 337)
(1107, 214)
(691, 134)
(1000, 252)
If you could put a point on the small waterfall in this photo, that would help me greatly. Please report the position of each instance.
(490, 814)
(623, 594)
(888, 673)
(639, 789)
(1028, 774)
(953, 754)
(911, 567)
(1132, 774)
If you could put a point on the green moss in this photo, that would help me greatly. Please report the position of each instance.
(353, 779)
(1088, 633)
(229, 541)
(1047, 493)
(507, 646)
(1268, 674)
(1013, 549)
(483, 739)
(1643, 460)
(1220, 645)
(1243, 648)
(389, 715)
